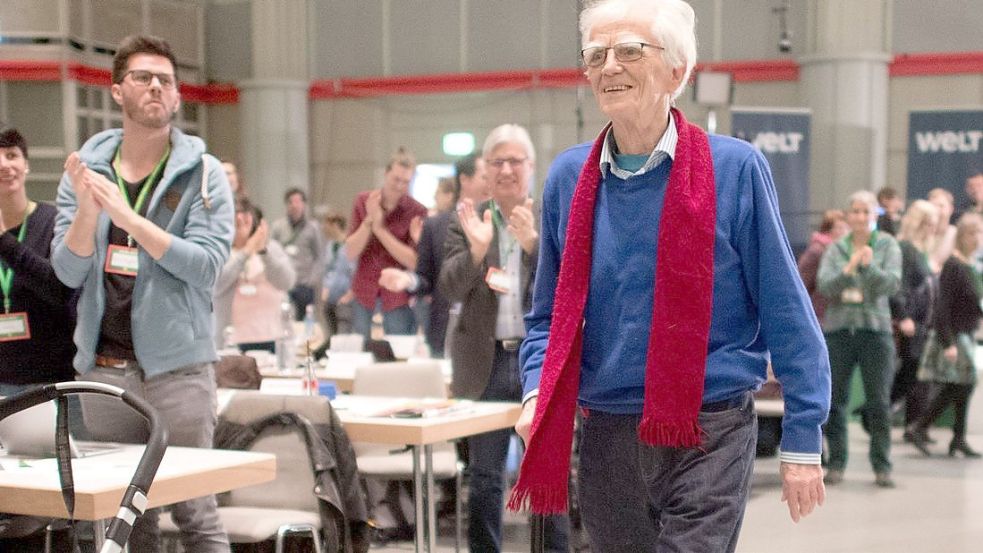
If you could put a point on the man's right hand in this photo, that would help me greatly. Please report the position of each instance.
(373, 208)
(524, 424)
(78, 175)
(395, 280)
(479, 232)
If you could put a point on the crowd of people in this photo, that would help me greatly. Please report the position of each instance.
(657, 328)
(898, 292)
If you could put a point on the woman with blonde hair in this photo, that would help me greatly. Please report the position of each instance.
(949, 357)
(945, 231)
(911, 307)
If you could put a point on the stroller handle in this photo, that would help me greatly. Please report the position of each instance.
(134, 501)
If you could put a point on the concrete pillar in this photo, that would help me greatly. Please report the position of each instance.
(274, 122)
(844, 80)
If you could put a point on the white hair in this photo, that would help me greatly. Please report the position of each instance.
(672, 23)
(865, 196)
(511, 133)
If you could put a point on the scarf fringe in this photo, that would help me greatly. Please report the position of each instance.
(669, 434)
(542, 499)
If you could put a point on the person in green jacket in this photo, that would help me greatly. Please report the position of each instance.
(858, 274)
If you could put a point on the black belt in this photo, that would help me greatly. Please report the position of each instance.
(725, 404)
(510, 344)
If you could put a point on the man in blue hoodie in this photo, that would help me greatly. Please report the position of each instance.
(144, 226)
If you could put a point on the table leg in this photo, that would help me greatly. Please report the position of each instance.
(99, 533)
(420, 537)
(431, 509)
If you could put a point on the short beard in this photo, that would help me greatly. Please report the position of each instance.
(136, 113)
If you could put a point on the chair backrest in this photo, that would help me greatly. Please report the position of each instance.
(347, 342)
(293, 487)
(404, 345)
(400, 379)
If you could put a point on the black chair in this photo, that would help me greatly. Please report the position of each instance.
(135, 498)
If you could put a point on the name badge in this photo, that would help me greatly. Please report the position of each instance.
(14, 326)
(121, 260)
(247, 289)
(852, 296)
(291, 250)
(498, 280)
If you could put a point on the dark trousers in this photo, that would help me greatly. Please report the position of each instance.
(873, 352)
(956, 395)
(639, 498)
(301, 296)
(906, 386)
(486, 466)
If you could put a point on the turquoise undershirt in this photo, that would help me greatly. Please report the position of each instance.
(631, 162)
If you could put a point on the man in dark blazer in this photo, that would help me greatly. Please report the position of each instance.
(489, 266)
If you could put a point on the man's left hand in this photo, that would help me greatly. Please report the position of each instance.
(802, 488)
(109, 197)
(522, 225)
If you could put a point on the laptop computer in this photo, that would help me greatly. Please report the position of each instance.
(381, 350)
(31, 433)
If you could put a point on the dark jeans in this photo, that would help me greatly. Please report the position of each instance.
(398, 321)
(639, 498)
(486, 465)
(301, 296)
(873, 352)
(906, 386)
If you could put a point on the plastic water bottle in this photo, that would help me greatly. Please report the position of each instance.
(284, 345)
(309, 323)
(310, 377)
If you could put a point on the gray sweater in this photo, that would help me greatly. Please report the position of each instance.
(303, 247)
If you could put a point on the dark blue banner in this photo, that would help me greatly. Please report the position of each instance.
(783, 136)
(944, 148)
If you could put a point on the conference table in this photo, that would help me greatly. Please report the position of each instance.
(339, 368)
(31, 486)
(384, 420)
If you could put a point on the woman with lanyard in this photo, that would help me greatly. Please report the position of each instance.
(858, 274)
(253, 284)
(38, 315)
(951, 352)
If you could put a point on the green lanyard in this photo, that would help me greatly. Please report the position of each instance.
(849, 243)
(504, 236)
(7, 274)
(145, 189)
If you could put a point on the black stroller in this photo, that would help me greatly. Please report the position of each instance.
(134, 501)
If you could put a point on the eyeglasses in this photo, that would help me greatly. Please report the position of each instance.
(145, 78)
(595, 56)
(513, 162)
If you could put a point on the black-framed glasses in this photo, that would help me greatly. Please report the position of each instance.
(143, 77)
(513, 162)
(595, 56)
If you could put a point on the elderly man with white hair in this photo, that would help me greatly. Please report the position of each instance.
(665, 285)
(489, 266)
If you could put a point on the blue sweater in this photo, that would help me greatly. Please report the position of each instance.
(761, 310)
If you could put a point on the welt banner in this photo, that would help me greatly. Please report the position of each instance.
(783, 136)
(944, 148)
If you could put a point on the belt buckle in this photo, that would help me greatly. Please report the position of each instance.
(511, 344)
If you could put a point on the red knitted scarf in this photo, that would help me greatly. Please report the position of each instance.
(677, 348)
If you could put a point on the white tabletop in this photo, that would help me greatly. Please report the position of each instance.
(31, 487)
